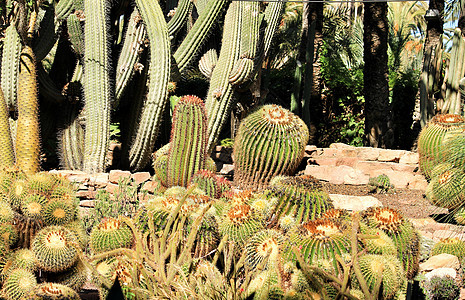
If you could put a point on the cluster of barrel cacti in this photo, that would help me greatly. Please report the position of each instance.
(71, 45)
(283, 242)
(41, 237)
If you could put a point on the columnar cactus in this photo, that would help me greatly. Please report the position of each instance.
(456, 71)
(431, 138)
(28, 130)
(7, 155)
(10, 65)
(269, 142)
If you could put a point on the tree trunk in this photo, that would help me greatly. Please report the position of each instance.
(376, 89)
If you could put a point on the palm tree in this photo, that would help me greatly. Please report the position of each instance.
(376, 89)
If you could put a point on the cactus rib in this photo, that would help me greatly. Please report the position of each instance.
(76, 36)
(159, 72)
(10, 65)
(180, 17)
(47, 34)
(7, 155)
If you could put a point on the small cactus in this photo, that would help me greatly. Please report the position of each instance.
(266, 242)
(441, 288)
(380, 184)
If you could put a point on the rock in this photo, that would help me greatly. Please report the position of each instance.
(87, 203)
(98, 180)
(354, 203)
(443, 234)
(111, 188)
(86, 194)
(337, 174)
(226, 169)
(423, 222)
(443, 260)
(375, 167)
(150, 186)
(140, 177)
(116, 175)
(390, 155)
(341, 146)
(333, 161)
(408, 157)
(441, 272)
(368, 153)
(418, 182)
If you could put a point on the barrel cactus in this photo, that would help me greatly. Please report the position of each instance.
(431, 138)
(270, 142)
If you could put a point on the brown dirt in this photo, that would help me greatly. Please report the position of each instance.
(412, 203)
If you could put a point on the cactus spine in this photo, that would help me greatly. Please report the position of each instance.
(76, 36)
(10, 65)
(7, 155)
(27, 132)
(278, 138)
(159, 71)
(180, 17)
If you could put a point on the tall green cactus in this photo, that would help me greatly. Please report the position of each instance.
(98, 93)
(270, 142)
(456, 72)
(159, 70)
(7, 155)
(187, 153)
(27, 132)
(10, 65)
(180, 16)
(431, 138)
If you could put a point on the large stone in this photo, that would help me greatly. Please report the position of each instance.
(117, 175)
(409, 158)
(368, 153)
(337, 174)
(390, 155)
(333, 161)
(227, 169)
(98, 180)
(140, 177)
(441, 272)
(443, 260)
(111, 188)
(354, 203)
(87, 203)
(418, 182)
(373, 167)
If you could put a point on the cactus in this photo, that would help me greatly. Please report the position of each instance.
(23, 258)
(10, 66)
(401, 231)
(27, 132)
(380, 184)
(6, 212)
(452, 246)
(320, 239)
(445, 190)
(51, 291)
(210, 183)
(187, 151)
(180, 17)
(76, 36)
(7, 155)
(303, 197)
(17, 193)
(32, 206)
(459, 216)
(266, 285)
(452, 103)
(8, 234)
(17, 284)
(208, 61)
(431, 138)
(47, 33)
(269, 142)
(74, 278)
(53, 248)
(57, 212)
(98, 94)
(441, 287)
(159, 70)
(380, 244)
(110, 234)
(267, 244)
(63, 9)
(388, 267)
(77, 227)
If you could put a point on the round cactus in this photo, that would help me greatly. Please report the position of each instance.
(51, 291)
(401, 231)
(77, 227)
(75, 277)
(18, 283)
(446, 189)
(380, 243)
(265, 243)
(53, 248)
(431, 138)
(265, 286)
(387, 266)
(452, 246)
(23, 258)
(41, 183)
(207, 181)
(270, 142)
(6, 212)
(110, 234)
(301, 196)
(8, 234)
(33, 205)
(17, 193)
(58, 212)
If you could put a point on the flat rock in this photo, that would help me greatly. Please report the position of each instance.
(443, 234)
(368, 153)
(441, 272)
(390, 155)
(443, 260)
(409, 158)
(227, 169)
(116, 175)
(87, 203)
(99, 180)
(354, 203)
(418, 182)
(337, 174)
(140, 177)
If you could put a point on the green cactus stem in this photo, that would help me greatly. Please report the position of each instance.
(133, 46)
(187, 151)
(250, 35)
(28, 129)
(54, 249)
(97, 85)
(208, 60)
(10, 66)
(75, 33)
(47, 34)
(180, 17)
(192, 43)
(270, 142)
(7, 155)
(146, 130)
(63, 9)
(431, 138)
(456, 71)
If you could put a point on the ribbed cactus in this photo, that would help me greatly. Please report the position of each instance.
(75, 33)
(98, 93)
(452, 103)
(180, 17)
(17, 284)
(270, 142)
(146, 131)
(431, 138)
(380, 184)
(27, 132)
(452, 246)
(187, 151)
(10, 65)
(52, 291)
(7, 155)
(446, 189)
(47, 33)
